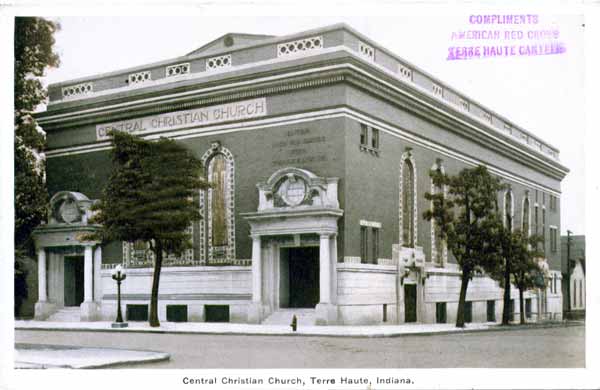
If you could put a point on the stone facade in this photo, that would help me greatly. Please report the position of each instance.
(316, 134)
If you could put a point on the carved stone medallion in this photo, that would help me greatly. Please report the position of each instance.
(292, 190)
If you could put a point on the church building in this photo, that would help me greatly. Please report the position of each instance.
(318, 146)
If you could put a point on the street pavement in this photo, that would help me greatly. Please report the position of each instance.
(554, 347)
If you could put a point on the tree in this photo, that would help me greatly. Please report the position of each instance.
(150, 197)
(506, 246)
(519, 265)
(525, 265)
(468, 221)
(34, 53)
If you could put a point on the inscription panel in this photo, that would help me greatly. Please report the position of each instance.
(299, 146)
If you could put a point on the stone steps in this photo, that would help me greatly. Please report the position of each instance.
(306, 317)
(66, 314)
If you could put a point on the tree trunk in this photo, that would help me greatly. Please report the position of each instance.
(158, 254)
(521, 306)
(506, 306)
(460, 315)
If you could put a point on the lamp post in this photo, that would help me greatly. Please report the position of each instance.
(119, 275)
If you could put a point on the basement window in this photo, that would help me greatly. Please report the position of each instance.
(177, 313)
(137, 312)
(216, 313)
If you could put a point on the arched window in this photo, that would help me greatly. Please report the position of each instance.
(217, 228)
(525, 220)
(218, 221)
(508, 209)
(438, 245)
(408, 204)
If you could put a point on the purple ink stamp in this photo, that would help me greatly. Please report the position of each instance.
(504, 35)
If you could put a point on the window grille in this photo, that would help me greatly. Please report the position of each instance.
(220, 62)
(77, 90)
(299, 46)
(178, 69)
(366, 51)
(139, 77)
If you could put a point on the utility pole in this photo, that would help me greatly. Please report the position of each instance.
(569, 271)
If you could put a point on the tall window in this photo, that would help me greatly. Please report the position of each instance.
(535, 219)
(217, 228)
(408, 202)
(375, 138)
(364, 244)
(364, 133)
(553, 239)
(525, 221)
(218, 219)
(544, 230)
(438, 246)
(375, 245)
(508, 210)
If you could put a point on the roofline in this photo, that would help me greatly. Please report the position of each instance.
(136, 68)
(275, 39)
(443, 83)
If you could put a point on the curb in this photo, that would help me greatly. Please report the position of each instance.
(494, 328)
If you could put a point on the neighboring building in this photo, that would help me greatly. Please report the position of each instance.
(574, 291)
(319, 145)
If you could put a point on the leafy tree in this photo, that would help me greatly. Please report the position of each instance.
(150, 197)
(468, 221)
(34, 53)
(506, 246)
(519, 265)
(525, 266)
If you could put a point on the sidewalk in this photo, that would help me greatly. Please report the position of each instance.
(282, 330)
(61, 356)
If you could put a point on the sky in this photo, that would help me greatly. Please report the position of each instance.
(543, 94)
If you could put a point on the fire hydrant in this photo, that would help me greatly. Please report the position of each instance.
(294, 323)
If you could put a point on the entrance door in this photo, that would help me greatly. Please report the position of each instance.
(303, 276)
(410, 303)
(73, 281)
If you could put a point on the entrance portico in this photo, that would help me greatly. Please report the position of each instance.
(296, 209)
(61, 247)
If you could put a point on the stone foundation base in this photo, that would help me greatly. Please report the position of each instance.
(326, 314)
(255, 313)
(90, 311)
(43, 310)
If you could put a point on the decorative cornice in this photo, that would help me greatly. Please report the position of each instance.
(76, 118)
(338, 70)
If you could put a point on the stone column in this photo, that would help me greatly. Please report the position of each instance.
(256, 271)
(326, 311)
(97, 285)
(88, 275)
(325, 270)
(42, 293)
(255, 309)
(88, 309)
(334, 259)
(43, 309)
